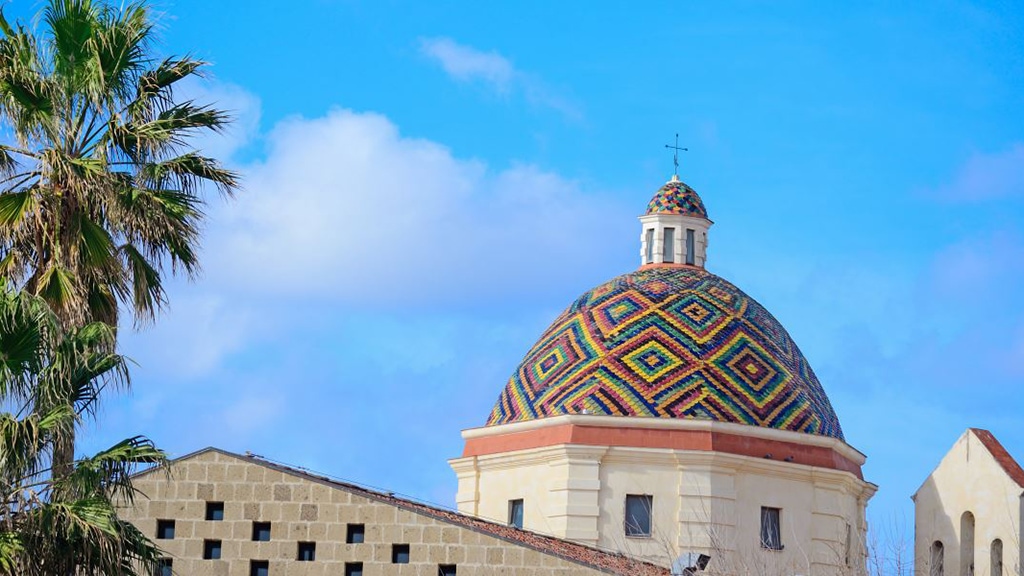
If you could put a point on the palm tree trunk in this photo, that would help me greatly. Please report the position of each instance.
(63, 453)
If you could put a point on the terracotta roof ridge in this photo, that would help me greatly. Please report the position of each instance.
(1002, 457)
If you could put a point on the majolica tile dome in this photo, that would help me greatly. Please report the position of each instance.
(669, 341)
(675, 197)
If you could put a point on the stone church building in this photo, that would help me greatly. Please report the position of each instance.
(664, 422)
(968, 513)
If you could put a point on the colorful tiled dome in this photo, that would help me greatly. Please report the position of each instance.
(675, 197)
(669, 342)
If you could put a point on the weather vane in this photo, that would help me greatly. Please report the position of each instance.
(675, 154)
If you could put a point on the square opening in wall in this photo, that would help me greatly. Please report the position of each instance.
(355, 534)
(211, 549)
(165, 567)
(446, 570)
(307, 552)
(261, 531)
(399, 553)
(259, 568)
(215, 511)
(165, 529)
(353, 569)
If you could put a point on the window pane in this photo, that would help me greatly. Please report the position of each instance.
(353, 569)
(165, 529)
(215, 511)
(165, 567)
(938, 559)
(997, 557)
(211, 549)
(446, 570)
(771, 533)
(669, 249)
(261, 531)
(638, 514)
(307, 551)
(691, 256)
(355, 533)
(399, 553)
(259, 568)
(515, 513)
(649, 257)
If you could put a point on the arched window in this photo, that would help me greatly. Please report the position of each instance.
(938, 557)
(967, 544)
(649, 256)
(997, 557)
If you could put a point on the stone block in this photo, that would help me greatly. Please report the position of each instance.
(450, 535)
(495, 556)
(282, 492)
(255, 473)
(250, 511)
(204, 491)
(309, 512)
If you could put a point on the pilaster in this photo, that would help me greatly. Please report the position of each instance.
(574, 486)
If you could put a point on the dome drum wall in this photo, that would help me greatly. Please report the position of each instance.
(673, 342)
(673, 239)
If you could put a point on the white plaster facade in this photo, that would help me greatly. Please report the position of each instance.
(704, 501)
(976, 479)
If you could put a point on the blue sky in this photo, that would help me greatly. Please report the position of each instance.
(428, 184)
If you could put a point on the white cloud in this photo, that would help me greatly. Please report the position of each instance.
(344, 207)
(468, 64)
(198, 330)
(988, 176)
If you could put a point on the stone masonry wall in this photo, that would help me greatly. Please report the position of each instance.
(303, 510)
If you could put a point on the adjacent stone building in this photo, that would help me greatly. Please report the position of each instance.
(221, 514)
(968, 512)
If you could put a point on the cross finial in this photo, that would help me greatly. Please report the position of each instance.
(675, 156)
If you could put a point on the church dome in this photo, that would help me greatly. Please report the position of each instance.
(669, 341)
(675, 197)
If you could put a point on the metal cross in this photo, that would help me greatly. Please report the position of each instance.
(675, 154)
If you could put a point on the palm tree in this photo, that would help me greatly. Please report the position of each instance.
(67, 522)
(99, 190)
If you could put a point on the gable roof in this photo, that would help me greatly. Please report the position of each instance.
(1006, 462)
(605, 561)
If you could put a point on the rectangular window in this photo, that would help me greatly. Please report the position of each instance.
(669, 248)
(215, 511)
(691, 256)
(515, 513)
(638, 515)
(259, 568)
(307, 551)
(261, 531)
(355, 534)
(446, 570)
(164, 567)
(849, 544)
(211, 549)
(399, 553)
(771, 528)
(165, 529)
(353, 569)
(649, 257)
